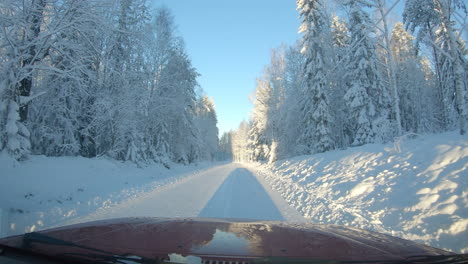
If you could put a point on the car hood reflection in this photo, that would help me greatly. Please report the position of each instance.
(218, 239)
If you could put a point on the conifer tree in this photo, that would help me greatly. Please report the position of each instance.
(367, 98)
(316, 118)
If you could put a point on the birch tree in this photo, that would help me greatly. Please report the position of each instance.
(390, 66)
(433, 20)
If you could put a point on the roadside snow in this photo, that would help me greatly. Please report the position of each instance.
(45, 191)
(416, 189)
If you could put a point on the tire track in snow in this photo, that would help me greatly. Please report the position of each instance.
(185, 198)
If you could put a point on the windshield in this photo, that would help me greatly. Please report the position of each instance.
(351, 113)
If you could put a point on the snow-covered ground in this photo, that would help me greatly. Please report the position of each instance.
(416, 189)
(46, 191)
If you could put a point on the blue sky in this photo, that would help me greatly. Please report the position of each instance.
(229, 43)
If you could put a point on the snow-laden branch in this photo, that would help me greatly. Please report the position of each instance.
(374, 24)
(24, 100)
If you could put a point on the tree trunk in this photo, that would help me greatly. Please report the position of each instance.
(391, 70)
(457, 67)
(459, 83)
(35, 18)
(440, 86)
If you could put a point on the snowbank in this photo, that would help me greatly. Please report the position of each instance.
(45, 191)
(416, 190)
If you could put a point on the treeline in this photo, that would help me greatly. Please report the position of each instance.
(353, 80)
(95, 78)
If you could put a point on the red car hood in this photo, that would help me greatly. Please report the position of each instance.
(219, 240)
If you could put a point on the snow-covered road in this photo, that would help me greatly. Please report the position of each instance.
(225, 191)
(241, 196)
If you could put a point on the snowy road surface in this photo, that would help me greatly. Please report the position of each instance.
(241, 196)
(226, 191)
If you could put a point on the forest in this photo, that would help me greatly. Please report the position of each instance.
(100, 78)
(113, 78)
(358, 77)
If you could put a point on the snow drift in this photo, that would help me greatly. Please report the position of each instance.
(46, 191)
(415, 188)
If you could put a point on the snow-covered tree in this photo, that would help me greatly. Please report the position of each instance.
(179, 93)
(416, 94)
(162, 43)
(225, 146)
(118, 131)
(150, 113)
(117, 83)
(367, 97)
(22, 46)
(434, 22)
(290, 114)
(47, 45)
(370, 81)
(260, 137)
(389, 65)
(339, 32)
(59, 121)
(336, 75)
(316, 119)
(241, 152)
(267, 126)
(206, 121)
